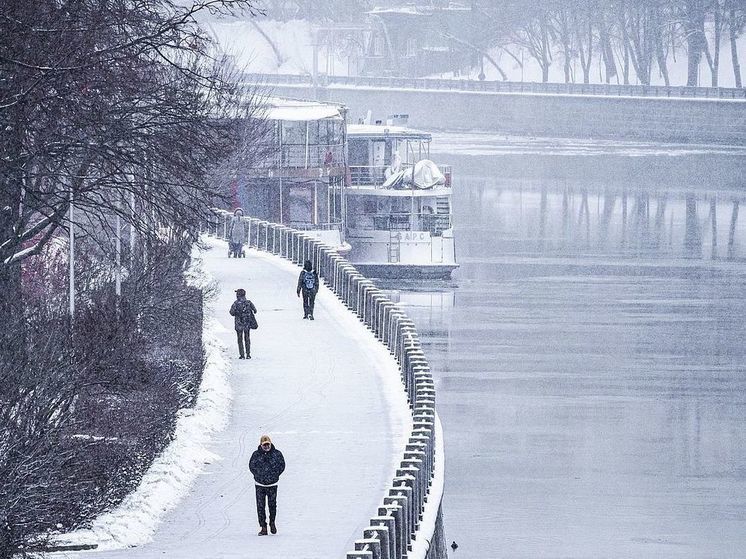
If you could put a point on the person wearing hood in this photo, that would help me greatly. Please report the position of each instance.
(266, 464)
(308, 284)
(244, 322)
(237, 233)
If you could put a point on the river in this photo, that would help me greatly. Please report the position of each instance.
(589, 353)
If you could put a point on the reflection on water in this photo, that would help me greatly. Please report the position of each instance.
(591, 369)
(610, 221)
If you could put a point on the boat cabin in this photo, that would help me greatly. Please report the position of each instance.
(300, 183)
(375, 151)
(393, 184)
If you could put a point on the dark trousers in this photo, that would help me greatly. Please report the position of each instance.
(266, 495)
(309, 298)
(243, 337)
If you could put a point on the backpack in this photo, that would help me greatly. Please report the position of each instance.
(309, 280)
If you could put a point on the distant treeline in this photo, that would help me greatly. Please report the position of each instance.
(629, 37)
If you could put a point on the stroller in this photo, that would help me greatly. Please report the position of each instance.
(236, 250)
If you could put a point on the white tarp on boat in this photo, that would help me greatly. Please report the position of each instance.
(426, 175)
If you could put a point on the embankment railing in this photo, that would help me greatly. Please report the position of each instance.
(496, 86)
(394, 528)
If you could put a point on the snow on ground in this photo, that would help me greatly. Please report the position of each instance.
(281, 47)
(327, 392)
(174, 470)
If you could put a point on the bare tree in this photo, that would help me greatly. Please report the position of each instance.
(736, 23)
(693, 16)
(717, 11)
(638, 32)
(536, 36)
(561, 17)
(111, 105)
(604, 23)
(582, 21)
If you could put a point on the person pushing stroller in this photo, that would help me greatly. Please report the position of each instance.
(237, 235)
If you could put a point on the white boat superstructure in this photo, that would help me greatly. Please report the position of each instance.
(398, 204)
(300, 181)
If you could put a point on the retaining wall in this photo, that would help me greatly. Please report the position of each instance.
(623, 117)
(408, 523)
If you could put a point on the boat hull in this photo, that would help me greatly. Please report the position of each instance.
(405, 271)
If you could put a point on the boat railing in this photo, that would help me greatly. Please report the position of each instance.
(308, 226)
(425, 221)
(373, 176)
(305, 156)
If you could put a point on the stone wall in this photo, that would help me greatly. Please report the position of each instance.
(720, 121)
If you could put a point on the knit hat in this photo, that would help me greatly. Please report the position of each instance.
(265, 439)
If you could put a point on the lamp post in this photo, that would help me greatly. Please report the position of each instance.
(71, 259)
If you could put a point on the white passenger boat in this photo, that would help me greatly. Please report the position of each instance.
(398, 204)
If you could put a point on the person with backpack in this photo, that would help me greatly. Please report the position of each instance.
(308, 283)
(243, 312)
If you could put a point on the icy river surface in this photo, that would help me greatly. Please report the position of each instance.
(589, 353)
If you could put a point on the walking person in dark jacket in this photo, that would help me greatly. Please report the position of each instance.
(243, 312)
(308, 283)
(266, 463)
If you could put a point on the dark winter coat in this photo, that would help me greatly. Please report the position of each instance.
(302, 283)
(267, 465)
(242, 309)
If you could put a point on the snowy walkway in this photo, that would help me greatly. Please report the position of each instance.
(327, 393)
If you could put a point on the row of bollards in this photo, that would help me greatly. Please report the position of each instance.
(395, 526)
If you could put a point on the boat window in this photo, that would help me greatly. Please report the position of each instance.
(379, 153)
(313, 133)
(328, 134)
(411, 47)
(401, 205)
(378, 45)
(293, 132)
(358, 152)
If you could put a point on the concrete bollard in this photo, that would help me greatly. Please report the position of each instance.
(357, 281)
(397, 317)
(404, 492)
(346, 283)
(395, 511)
(365, 288)
(419, 450)
(370, 307)
(422, 436)
(387, 523)
(381, 534)
(408, 476)
(372, 545)
(416, 466)
(399, 500)
(383, 319)
(376, 299)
